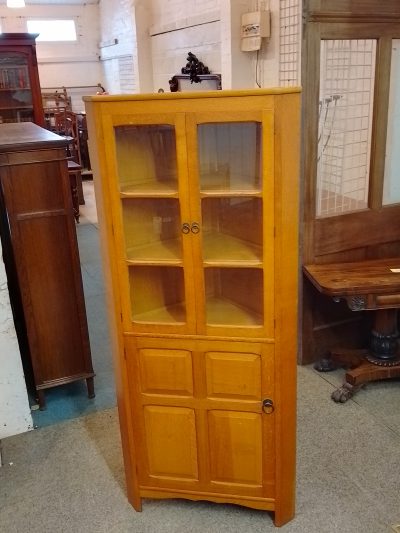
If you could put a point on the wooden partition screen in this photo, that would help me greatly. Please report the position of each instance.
(351, 91)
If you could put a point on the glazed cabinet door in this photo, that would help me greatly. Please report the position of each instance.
(148, 165)
(231, 176)
(198, 416)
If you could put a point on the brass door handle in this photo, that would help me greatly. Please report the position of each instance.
(185, 227)
(195, 228)
(268, 406)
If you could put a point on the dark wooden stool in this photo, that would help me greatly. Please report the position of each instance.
(371, 285)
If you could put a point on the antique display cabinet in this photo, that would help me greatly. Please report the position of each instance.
(20, 94)
(197, 195)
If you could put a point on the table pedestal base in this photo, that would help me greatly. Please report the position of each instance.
(380, 361)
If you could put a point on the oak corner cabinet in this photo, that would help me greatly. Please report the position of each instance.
(197, 195)
(20, 93)
(41, 257)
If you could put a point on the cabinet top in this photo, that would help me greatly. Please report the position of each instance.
(18, 38)
(191, 94)
(27, 136)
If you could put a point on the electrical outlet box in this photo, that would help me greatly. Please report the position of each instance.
(255, 26)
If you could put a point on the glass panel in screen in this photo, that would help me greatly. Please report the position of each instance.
(15, 92)
(232, 229)
(230, 156)
(157, 294)
(152, 229)
(391, 184)
(234, 296)
(146, 158)
(345, 121)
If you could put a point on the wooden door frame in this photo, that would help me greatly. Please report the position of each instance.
(323, 239)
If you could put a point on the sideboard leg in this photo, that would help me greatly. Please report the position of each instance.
(90, 387)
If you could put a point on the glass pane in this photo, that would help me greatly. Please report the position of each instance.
(234, 296)
(345, 120)
(232, 229)
(152, 229)
(15, 93)
(146, 159)
(391, 185)
(157, 294)
(229, 156)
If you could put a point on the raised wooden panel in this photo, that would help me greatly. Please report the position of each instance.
(233, 375)
(166, 371)
(51, 312)
(171, 442)
(38, 188)
(236, 447)
(346, 232)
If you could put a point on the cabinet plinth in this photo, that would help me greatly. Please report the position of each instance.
(197, 196)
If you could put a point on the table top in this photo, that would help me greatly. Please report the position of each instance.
(375, 276)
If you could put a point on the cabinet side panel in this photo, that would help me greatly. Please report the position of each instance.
(286, 295)
(48, 289)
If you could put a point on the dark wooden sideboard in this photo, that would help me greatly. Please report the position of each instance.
(41, 255)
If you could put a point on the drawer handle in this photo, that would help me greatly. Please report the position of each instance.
(268, 406)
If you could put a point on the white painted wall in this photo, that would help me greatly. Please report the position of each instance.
(63, 64)
(179, 27)
(117, 22)
(15, 415)
(154, 37)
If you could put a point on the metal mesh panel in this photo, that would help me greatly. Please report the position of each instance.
(345, 119)
(289, 48)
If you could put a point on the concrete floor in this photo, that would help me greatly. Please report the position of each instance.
(68, 477)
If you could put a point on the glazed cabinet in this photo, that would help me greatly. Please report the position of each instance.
(197, 201)
(20, 94)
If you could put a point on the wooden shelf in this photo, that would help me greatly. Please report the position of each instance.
(8, 89)
(219, 248)
(221, 311)
(217, 185)
(172, 314)
(161, 252)
(150, 189)
(16, 108)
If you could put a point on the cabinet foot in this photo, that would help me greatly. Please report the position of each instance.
(41, 400)
(90, 387)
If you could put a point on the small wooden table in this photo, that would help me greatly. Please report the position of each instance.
(371, 285)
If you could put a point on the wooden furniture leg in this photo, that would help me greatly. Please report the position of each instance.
(74, 193)
(41, 399)
(90, 387)
(380, 361)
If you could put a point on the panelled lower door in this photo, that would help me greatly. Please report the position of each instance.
(198, 416)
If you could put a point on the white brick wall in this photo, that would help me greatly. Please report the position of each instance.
(169, 11)
(117, 22)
